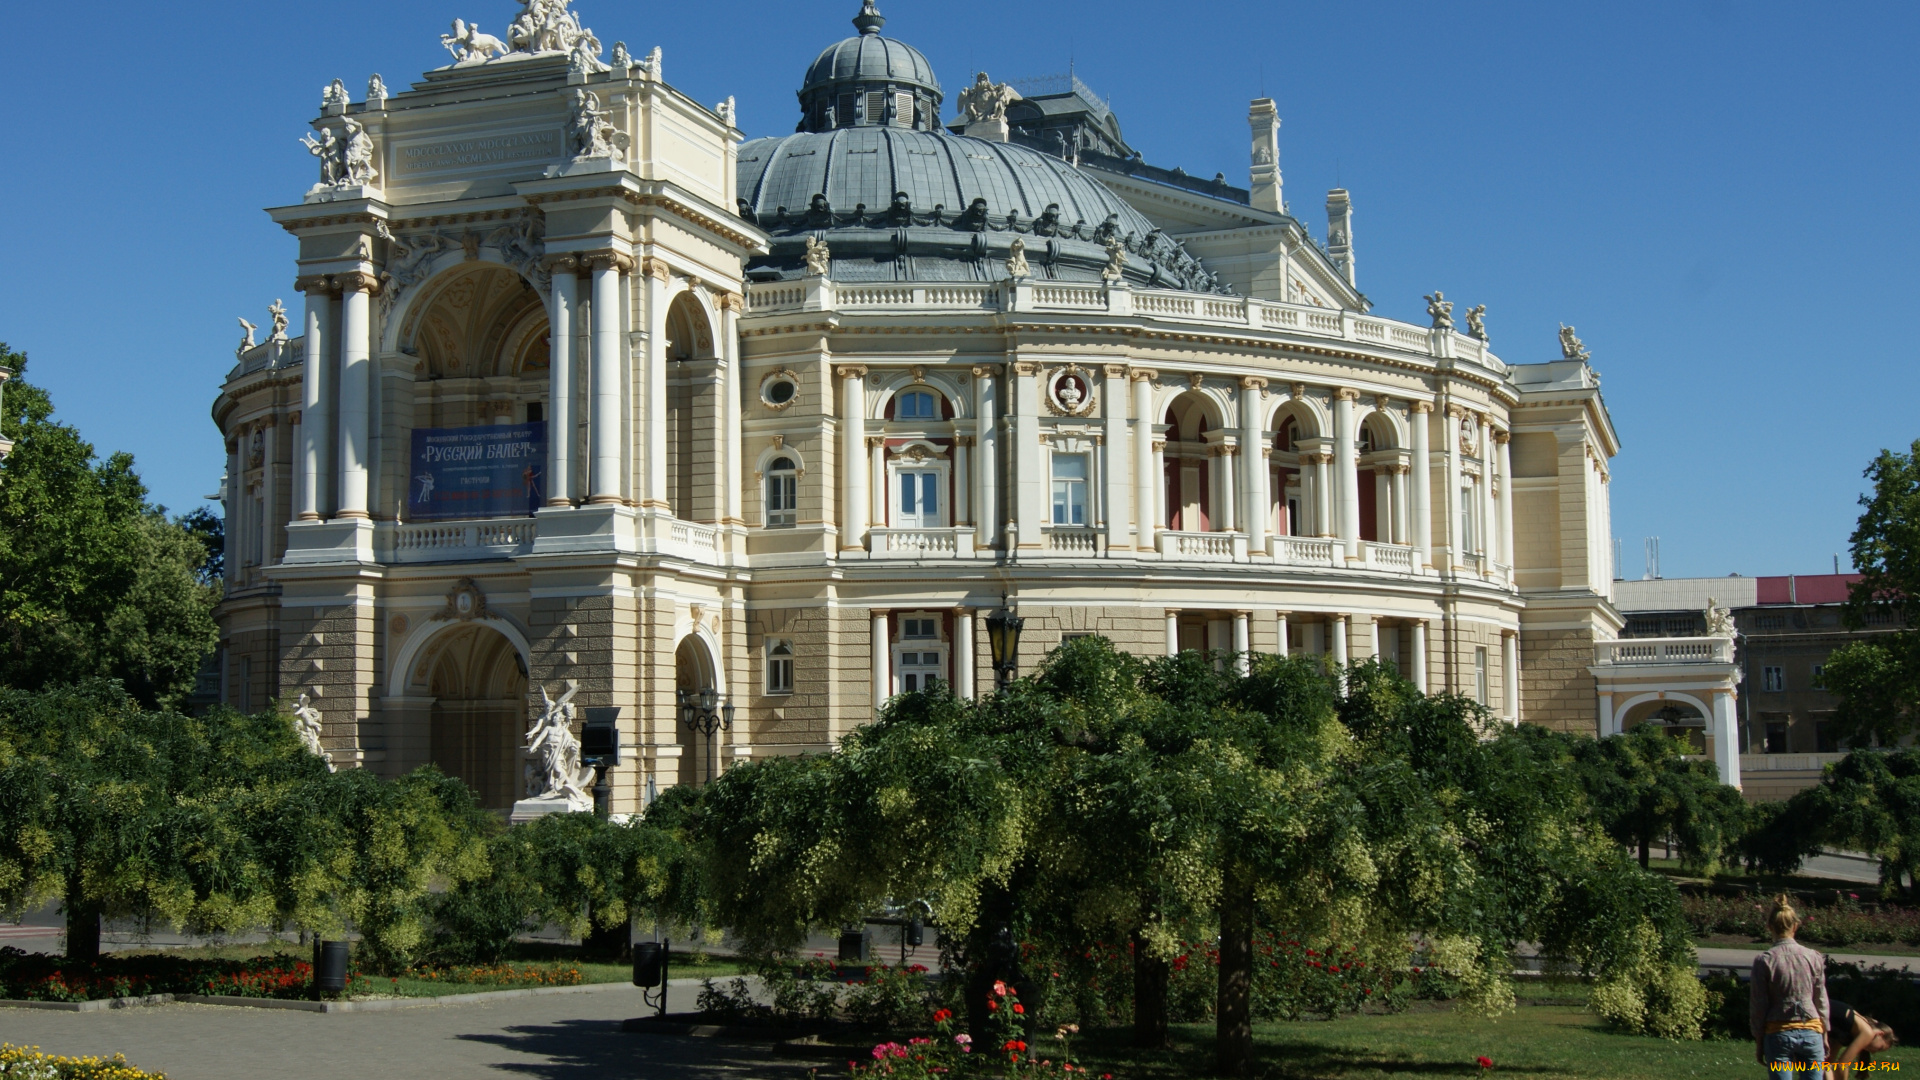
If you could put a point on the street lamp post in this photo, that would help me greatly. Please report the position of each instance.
(697, 711)
(600, 749)
(1003, 636)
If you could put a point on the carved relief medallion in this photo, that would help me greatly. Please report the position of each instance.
(1069, 391)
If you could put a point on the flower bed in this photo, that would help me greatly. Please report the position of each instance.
(1011, 1050)
(1833, 925)
(38, 977)
(28, 1063)
(499, 975)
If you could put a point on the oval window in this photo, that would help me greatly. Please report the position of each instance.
(778, 392)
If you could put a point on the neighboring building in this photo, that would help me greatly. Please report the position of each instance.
(819, 401)
(1786, 628)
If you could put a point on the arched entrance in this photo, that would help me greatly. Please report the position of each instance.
(1680, 719)
(694, 671)
(478, 718)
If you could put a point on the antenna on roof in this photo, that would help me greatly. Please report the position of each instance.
(1616, 560)
(1836, 562)
(1653, 559)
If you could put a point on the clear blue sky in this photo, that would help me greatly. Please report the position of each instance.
(1719, 195)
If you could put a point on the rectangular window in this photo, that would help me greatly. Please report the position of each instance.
(1773, 679)
(1773, 622)
(919, 670)
(917, 628)
(1819, 676)
(779, 666)
(1776, 734)
(1469, 536)
(782, 498)
(1480, 674)
(1069, 489)
(919, 499)
(903, 109)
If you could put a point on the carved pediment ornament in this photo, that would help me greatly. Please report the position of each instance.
(465, 602)
(1069, 391)
(1194, 380)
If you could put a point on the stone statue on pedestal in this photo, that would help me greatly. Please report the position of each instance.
(1116, 260)
(278, 311)
(357, 156)
(1440, 310)
(1017, 267)
(819, 259)
(1477, 324)
(246, 339)
(327, 149)
(557, 781)
(1571, 347)
(306, 724)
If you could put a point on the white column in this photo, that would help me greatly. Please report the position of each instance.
(1607, 720)
(1029, 479)
(1146, 472)
(1450, 498)
(270, 519)
(657, 490)
(1173, 632)
(1254, 507)
(853, 457)
(1502, 439)
(1402, 527)
(1419, 661)
(1241, 644)
(731, 386)
(986, 466)
(963, 666)
(877, 493)
(882, 678)
(1726, 738)
(604, 486)
(560, 423)
(1346, 476)
(1510, 674)
(1224, 484)
(315, 406)
(1337, 630)
(1420, 420)
(1113, 458)
(1162, 513)
(356, 366)
(1488, 530)
(962, 481)
(1280, 627)
(1324, 495)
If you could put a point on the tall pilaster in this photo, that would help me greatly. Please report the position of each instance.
(1420, 419)
(1173, 632)
(561, 313)
(882, 660)
(986, 465)
(964, 671)
(1501, 440)
(1253, 464)
(604, 486)
(1113, 464)
(316, 403)
(1417, 664)
(1345, 467)
(356, 387)
(1242, 644)
(853, 456)
(1488, 530)
(653, 273)
(1029, 481)
(270, 519)
(1456, 543)
(731, 388)
(1146, 477)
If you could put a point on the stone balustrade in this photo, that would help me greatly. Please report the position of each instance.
(1641, 651)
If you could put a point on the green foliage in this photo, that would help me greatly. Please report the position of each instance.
(94, 580)
(1878, 680)
(1641, 788)
(1869, 801)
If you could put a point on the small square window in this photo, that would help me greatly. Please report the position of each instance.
(916, 628)
(1773, 679)
(915, 405)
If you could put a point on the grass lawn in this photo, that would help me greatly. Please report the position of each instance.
(1564, 1042)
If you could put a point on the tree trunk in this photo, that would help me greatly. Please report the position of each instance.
(1645, 843)
(1233, 1055)
(1151, 976)
(83, 932)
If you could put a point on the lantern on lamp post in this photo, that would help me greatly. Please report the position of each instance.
(1003, 637)
(697, 711)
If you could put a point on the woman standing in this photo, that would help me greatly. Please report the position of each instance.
(1789, 995)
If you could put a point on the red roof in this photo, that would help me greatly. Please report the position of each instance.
(1804, 589)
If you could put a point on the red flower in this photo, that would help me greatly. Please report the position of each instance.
(1019, 1009)
(943, 1016)
(1484, 1062)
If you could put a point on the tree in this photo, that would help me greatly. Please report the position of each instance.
(116, 811)
(1641, 785)
(1870, 801)
(94, 580)
(1878, 680)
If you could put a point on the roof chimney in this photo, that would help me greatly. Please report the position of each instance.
(1340, 232)
(1264, 119)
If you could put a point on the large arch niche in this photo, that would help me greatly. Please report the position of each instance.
(478, 717)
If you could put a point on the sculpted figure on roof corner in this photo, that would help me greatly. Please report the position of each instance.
(1477, 323)
(1440, 309)
(1571, 347)
(1017, 267)
(468, 43)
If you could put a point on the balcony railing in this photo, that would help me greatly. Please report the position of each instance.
(1303, 550)
(1690, 650)
(1070, 540)
(1203, 546)
(454, 541)
(946, 543)
(1155, 305)
(1389, 557)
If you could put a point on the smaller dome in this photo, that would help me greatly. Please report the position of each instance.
(841, 76)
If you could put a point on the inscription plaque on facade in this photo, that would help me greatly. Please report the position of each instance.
(479, 152)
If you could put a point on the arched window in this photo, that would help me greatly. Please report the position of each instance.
(1366, 440)
(915, 405)
(782, 493)
(779, 666)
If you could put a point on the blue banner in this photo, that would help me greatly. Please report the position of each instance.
(499, 470)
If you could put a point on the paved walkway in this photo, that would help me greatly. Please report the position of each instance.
(556, 1037)
(1717, 956)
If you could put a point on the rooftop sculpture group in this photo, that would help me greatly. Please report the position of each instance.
(544, 26)
(346, 159)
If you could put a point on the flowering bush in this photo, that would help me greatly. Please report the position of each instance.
(499, 975)
(36, 977)
(877, 996)
(28, 1063)
(1006, 1053)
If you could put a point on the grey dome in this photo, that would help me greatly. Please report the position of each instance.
(898, 204)
(869, 80)
(870, 58)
